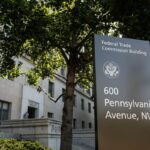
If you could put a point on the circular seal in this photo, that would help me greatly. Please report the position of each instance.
(111, 69)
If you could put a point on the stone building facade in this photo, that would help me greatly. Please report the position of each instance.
(18, 100)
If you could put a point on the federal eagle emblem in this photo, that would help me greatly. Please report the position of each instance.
(111, 69)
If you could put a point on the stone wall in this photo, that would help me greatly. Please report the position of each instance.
(43, 130)
(47, 132)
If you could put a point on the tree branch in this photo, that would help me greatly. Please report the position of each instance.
(60, 96)
(39, 89)
(63, 54)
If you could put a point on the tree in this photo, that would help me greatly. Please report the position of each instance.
(52, 33)
(131, 17)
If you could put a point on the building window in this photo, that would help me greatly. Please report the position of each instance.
(81, 87)
(74, 123)
(4, 110)
(89, 91)
(83, 124)
(82, 104)
(32, 112)
(50, 115)
(89, 107)
(51, 89)
(90, 125)
(62, 71)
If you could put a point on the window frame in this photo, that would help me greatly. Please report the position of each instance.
(74, 123)
(89, 107)
(83, 124)
(82, 104)
(51, 90)
(2, 110)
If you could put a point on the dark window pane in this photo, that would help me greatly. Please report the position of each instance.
(50, 115)
(83, 124)
(89, 107)
(4, 110)
(31, 112)
(51, 89)
(82, 104)
(88, 91)
(62, 71)
(74, 123)
(90, 125)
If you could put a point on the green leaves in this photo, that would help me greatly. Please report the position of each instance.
(33, 77)
(12, 144)
(52, 34)
(47, 64)
(131, 17)
(10, 73)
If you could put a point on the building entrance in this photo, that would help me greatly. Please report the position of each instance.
(32, 112)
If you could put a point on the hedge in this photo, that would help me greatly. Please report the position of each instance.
(13, 144)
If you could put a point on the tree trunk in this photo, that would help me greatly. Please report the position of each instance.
(66, 128)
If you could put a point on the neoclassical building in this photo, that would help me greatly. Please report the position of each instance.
(19, 100)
